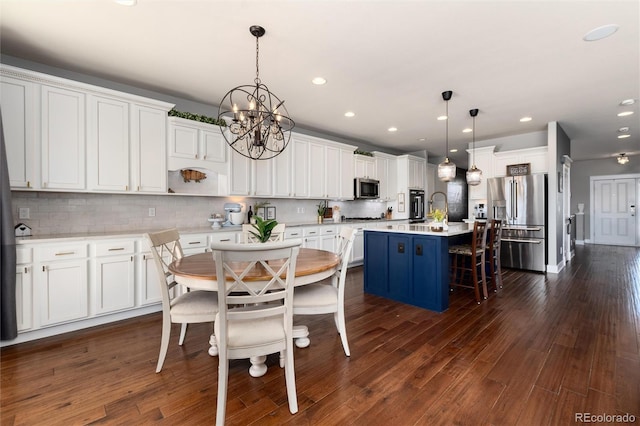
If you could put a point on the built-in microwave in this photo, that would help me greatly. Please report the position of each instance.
(366, 188)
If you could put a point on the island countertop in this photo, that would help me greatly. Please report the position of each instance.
(455, 228)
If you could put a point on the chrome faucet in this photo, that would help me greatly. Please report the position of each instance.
(446, 205)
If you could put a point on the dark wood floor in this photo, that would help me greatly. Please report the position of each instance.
(536, 353)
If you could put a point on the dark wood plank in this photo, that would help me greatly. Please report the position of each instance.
(540, 350)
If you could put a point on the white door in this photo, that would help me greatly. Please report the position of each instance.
(614, 216)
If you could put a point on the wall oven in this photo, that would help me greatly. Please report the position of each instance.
(416, 206)
(366, 188)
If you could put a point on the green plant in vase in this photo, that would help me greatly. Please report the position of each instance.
(264, 228)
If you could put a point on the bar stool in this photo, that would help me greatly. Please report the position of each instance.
(493, 253)
(470, 258)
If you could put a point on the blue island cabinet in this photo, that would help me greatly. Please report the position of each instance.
(408, 268)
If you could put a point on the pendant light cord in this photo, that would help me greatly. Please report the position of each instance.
(446, 154)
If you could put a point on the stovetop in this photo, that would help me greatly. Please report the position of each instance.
(358, 219)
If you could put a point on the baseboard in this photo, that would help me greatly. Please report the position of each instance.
(555, 269)
(579, 242)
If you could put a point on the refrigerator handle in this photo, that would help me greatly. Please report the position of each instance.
(514, 200)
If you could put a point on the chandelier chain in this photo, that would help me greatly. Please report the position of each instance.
(257, 60)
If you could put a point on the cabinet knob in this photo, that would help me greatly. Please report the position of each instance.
(196, 156)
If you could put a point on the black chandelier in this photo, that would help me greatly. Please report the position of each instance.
(259, 123)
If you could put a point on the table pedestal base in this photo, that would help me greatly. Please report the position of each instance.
(301, 336)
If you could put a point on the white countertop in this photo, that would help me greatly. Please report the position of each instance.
(41, 238)
(456, 228)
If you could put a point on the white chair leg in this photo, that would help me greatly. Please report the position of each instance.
(342, 329)
(223, 378)
(164, 342)
(281, 359)
(183, 333)
(290, 378)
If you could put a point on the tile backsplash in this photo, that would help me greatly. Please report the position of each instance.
(53, 213)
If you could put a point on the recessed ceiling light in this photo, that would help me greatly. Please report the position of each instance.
(467, 130)
(453, 150)
(126, 2)
(392, 129)
(628, 102)
(623, 136)
(623, 130)
(319, 81)
(349, 114)
(525, 119)
(624, 113)
(600, 32)
(422, 139)
(442, 117)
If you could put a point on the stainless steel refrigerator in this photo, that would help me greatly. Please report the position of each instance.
(521, 202)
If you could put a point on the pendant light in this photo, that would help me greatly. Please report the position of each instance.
(474, 174)
(623, 159)
(260, 127)
(446, 169)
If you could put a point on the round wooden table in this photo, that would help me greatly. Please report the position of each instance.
(198, 272)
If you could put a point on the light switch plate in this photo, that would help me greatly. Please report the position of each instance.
(24, 213)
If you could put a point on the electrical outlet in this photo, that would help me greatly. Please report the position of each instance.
(152, 211)
(24, 213)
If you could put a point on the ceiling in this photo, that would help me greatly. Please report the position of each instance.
(387, 61)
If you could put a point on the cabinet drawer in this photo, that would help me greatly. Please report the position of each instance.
(311, 232)
(292, 233)
(62, 252)
(114, 248)
(328, 230)
(24, 255)
(227, 237)
(193, 241)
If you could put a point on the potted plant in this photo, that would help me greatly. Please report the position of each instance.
(438, 216)
(263, 228)
(322, 209)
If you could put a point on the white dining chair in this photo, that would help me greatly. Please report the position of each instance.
(255, 317)
(277, 233)
(316, 299)
(177, 306)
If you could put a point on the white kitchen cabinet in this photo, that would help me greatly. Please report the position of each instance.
(317, 170)
(194, 243)
(148, 285)
(365, 166)
(311, 237)
(347, 173)
(282, 172)
(239, 174)
(262, 177)
(537, 157)
(417, 168)
(24, 288)
(332, 181)
(386, 172)
(483, 161)
(113, 283)
(126, 150)
(149, 150)
(300, 166)
(328, 235)
(108, 144)
(195, 144)
(225, 237)
(63, 139)
(18, 105)
(357, 250)
(61, 285)
(293, 233)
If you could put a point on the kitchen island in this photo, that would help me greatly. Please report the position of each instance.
(409, 263)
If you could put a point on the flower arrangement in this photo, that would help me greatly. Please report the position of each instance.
(438, 215)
